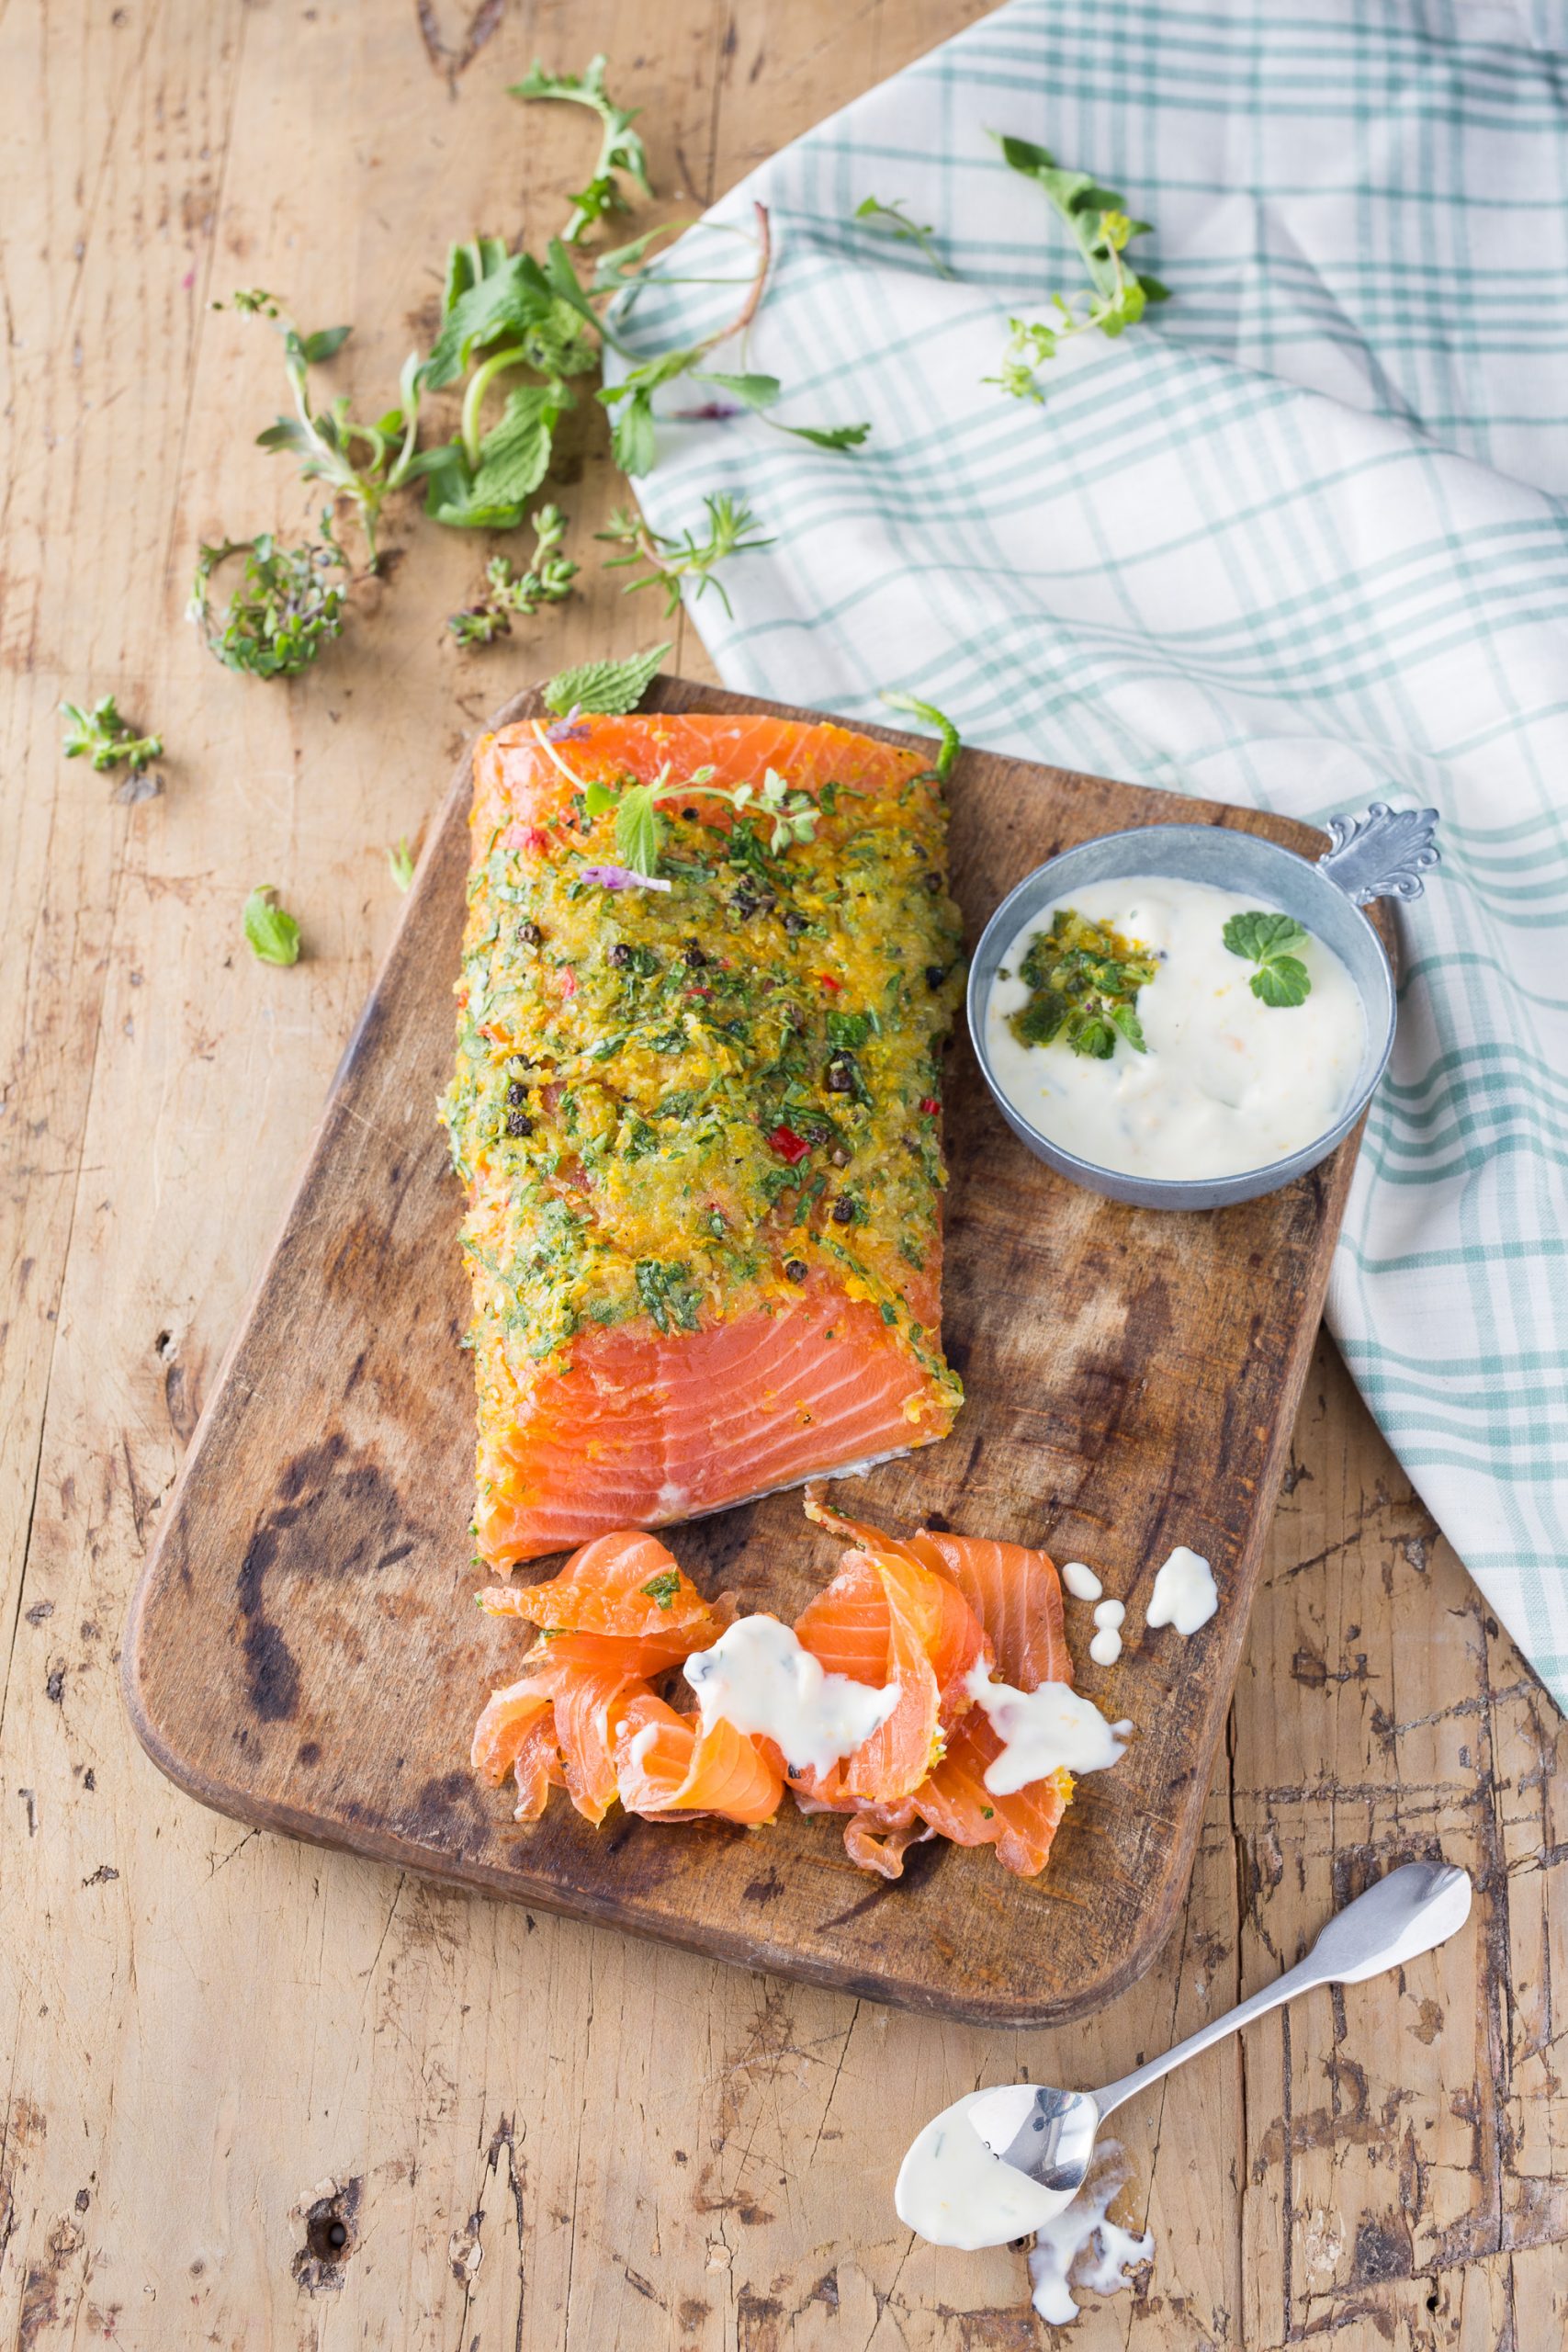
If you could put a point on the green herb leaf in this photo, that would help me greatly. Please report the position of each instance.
(732, 530)
(401, 863)
(620, 150)
(1269, 941)
(514, 454)
(608, 688)
(933, 718)
(284, 610)
(634, 442)
(1101, 229)
(1083, 979)
(1131, 1027)
(273, 933)
(102, 735)
(639, 829)
(895, 221)
(664, 1589)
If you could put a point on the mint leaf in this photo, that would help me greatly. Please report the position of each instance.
(1269, 941)
(620, 150)
(1283, 982)
(514, 454)
(507, 303)
(639, 829)
(633, 443)
(609, 689)
(273, 933)
(933, 718)
(1130, 1025)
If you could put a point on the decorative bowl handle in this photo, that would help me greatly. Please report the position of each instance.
(1383, 854)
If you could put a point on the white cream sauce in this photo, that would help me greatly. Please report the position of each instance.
(955, 2192)
(1081, 1582)
(1042, 1731)
(758, 1677)
(1080, 2249)
(1228, 1084)
(1105, 1646)
(1185, 1594)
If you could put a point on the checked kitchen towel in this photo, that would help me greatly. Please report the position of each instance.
(1299, 539)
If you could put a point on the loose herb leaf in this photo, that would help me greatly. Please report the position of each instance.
(1116, 297)
(1269, 941)
(732, 530)
(285, 609)
(607, 689)
(933, 718)
(400, 861)
(621, 148)
(664, 1587)
(639, 829)
(548, 581)
(895, 221)
(273, 933)
(102, 735)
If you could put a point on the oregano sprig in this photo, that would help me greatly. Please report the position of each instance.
(102, 736)
(1117, 295)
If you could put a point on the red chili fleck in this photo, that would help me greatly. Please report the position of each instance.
(698, 991)
(829, 981)
(788, 1145)
(565, 981)
(930, 1105)
(526, 837)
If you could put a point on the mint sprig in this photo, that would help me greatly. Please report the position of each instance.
(608, 689)
(1269, 941)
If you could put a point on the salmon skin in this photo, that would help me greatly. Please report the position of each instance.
(927, 1612)
(700, 1125)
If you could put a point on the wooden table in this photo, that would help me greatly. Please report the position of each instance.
(256, 2095)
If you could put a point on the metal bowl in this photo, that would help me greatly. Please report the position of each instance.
(1382, 854)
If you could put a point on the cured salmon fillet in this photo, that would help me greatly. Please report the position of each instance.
(699, 1123)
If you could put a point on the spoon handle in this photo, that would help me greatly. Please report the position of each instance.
(1407, 1912)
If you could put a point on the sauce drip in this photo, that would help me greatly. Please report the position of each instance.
(1056, 2261)
(758, 1677)
(1185, 1594)
(1042, 1731)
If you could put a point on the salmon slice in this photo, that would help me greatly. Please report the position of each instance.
(1017, 1596)
(700, 1127)
(503, 1724)
(626, 1585)
(667, 1763)
(649, 1655)
(537, 1768)
(956, 1804)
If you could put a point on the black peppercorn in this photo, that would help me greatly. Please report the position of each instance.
(516, 1092)
(518, 1122)
(529, 933)
(794, 924)
(796, 1269)
(933, 882)
(935, 975)
(694, 955)
(819, 1135)
(690, 815)
(620, 952)
(841, 1079)
(843, 1210)
(744, 904)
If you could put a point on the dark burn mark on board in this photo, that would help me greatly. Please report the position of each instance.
(335, 1517)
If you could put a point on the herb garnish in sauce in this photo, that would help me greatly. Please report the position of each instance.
(1084, 980)
(1271, 942)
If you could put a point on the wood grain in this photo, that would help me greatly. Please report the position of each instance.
(546, 2134)
(303, 1654)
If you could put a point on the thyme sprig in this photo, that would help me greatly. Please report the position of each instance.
(284, 610)
(102, 736)
(671, 562)
(548, 581)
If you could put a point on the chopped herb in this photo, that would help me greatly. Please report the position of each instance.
(102, 735)
(1084, 980)
(1269, 941)
(668, 1293)
(273, 933)
(895, 221)
(400, 861)
(664, 1587)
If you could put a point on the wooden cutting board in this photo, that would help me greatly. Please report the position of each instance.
(303, 1651)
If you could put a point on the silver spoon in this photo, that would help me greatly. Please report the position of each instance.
(1050, 2134)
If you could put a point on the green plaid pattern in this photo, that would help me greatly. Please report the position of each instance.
(1298, 540)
